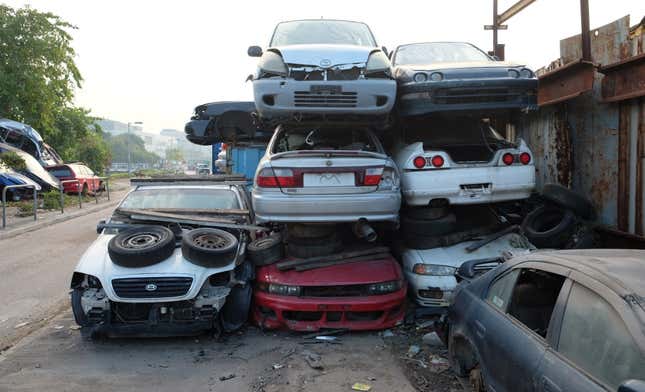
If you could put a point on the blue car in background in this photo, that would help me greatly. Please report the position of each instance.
(458, 76)
(9, 177)
(24, 137)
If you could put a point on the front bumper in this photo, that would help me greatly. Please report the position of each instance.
(430, 290)
(311, 314)
(504, 184)
(471, 94)
(281, 207)
(284, 97)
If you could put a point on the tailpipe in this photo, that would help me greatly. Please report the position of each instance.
(364, 231)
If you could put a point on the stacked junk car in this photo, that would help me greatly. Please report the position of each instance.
(388, 186)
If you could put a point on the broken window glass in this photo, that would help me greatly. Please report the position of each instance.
(500, 291)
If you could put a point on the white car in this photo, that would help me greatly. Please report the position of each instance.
(322, 67)
(461, 160)
(431, 272)
(169, 261)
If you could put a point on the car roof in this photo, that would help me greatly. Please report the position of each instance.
(622, 270)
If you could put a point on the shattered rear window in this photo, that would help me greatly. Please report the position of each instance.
(442, 132)
(188, 199)
(330, 32)
(313, 139)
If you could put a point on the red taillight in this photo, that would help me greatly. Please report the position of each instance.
(508, 159)
(224, 146)
(419, 162)
(525, 158)
(273, 178)
(437, 161)
(373, 176)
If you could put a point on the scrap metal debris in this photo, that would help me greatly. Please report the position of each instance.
(230, 376)
(313, 360)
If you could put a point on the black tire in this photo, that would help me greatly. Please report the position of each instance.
(570, 200)
(426, 213)
(413, 241)
(301, 230)
(141, 246)
(265, 251)
(435, 227)
(313, 247)
(208, 247)
(235, 311)
(77, 308)
(548, 226)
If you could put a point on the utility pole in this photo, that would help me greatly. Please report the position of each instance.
(499, 19)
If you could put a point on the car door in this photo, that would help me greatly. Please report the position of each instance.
(592, 349)
(511, 332)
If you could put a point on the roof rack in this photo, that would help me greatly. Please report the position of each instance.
(213, 179)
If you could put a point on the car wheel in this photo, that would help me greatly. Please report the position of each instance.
(434, 227)
(548, 227)
(77, 308)
(314, 247)
(141, 246)
(208, 247)
(570, 200)
(235, 311)
(300, 230)
(265, 251)
(426, 213)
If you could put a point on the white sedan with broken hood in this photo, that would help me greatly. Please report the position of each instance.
(169, 261)
(322, 67)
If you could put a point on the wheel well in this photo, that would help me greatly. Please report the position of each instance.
(464, 356)
(77, 279)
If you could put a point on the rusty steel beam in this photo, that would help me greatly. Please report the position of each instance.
(566, 82)
(513, 10)
(624, 79)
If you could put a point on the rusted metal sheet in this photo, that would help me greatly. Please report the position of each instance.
(624, 79)
(623, 171)
(609, 43)
(566, 82)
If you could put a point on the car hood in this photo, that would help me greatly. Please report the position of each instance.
(96, 262)
(461, 65)
(313, 55)
(454, 256)
(361, 272)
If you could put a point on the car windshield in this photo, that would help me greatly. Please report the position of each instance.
(438, 52)
(180, 198)
(312, 139)
(307, 32)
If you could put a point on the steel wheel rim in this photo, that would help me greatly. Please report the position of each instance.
(141, 240)
(210, 241)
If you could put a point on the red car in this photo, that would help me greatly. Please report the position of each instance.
(88, 181)
(365, 295)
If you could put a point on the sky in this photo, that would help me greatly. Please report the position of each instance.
(154, 61)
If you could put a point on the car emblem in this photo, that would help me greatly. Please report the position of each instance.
(325, 63)
(151, 287)
(328, 163)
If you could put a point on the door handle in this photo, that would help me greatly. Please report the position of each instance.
(480, 330)
(549, 386)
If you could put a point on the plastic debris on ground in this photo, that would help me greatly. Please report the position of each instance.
(361, 387)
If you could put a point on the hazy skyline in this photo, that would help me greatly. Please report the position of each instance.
(155, 61)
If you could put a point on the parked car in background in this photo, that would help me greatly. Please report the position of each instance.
(552, 321)
(33, 169)
(462, 160)
(202, 169)
(312, 174)
(322, 67)
(448, 76)
(9, 177)
(88, 182)
(159, 268)
(24, 137)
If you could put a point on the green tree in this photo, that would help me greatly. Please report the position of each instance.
(118, 146)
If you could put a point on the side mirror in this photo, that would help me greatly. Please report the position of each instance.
(384, 49)
(254, 51)
(472, 268)
(632, 386)
(100, 226)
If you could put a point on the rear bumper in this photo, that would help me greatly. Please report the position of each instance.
(277, 97)
(506, 183)
(280, 207)
(312, 314)
(471, 94)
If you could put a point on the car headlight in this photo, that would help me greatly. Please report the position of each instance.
(513, 73)
(436, 76)
(279, 289)
(384, 287)
(526, 73)
(378, 62)
(432, 269)
(420, 77)
(272, 64)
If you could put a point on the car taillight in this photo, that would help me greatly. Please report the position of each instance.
(224, 146)
(419, 162)
(525, 158)
(373, 176)
(508, 159)
(274, 178)
(437, 161)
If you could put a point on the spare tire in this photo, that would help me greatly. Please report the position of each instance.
(208, 247)
(570, 200)
(548, 226)
(435, 227)
(301, 230)
(426, 213)
(141, 246)
(265, 251)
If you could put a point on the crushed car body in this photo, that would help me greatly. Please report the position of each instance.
(322, 67)
(457, 76)
(24, 137)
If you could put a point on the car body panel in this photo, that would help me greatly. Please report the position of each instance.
(34, 170)
(80, 172)
(225, 121)
(313, 54)
(387, 309)
(454, 256)
(24, 137)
